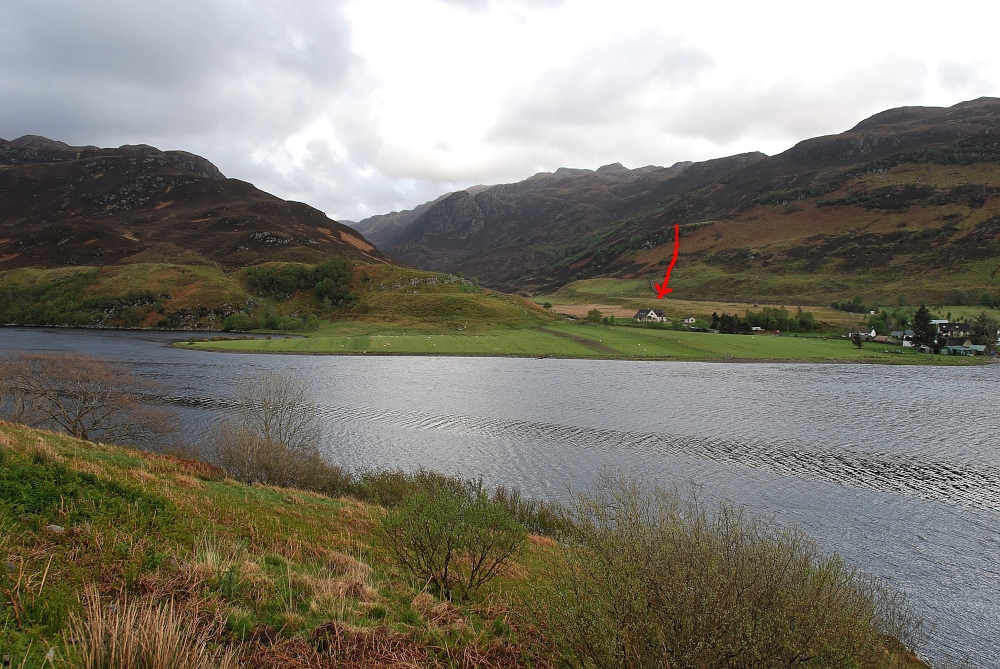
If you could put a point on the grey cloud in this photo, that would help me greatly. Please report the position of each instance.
(645, 105)
(477, 6)
(599, 87)
(337, 187)
(965, 79)
(186, 67)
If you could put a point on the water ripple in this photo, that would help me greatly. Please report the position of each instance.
(963, 484)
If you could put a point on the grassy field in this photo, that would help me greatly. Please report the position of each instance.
(623, 297)
(407, 312)
(572, 340)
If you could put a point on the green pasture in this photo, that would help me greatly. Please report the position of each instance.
(571, 340)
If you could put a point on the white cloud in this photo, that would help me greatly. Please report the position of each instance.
(605, 85)
(966, 79)
(789, 109)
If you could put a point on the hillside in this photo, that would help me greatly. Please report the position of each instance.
(66, 205)
(903, 204)
(269, 296)
(113, 550)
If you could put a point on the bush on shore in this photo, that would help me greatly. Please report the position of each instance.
(452, 539)
(649, 579)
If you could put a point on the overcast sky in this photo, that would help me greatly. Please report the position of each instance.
(361, 107)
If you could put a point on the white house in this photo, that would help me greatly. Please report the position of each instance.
(650, 316)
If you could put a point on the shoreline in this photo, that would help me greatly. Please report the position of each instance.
(587, 348)
(622, 358)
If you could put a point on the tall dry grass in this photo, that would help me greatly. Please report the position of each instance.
(142, 634)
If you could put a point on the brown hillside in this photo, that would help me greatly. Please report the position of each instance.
(906, 199)
(64, 205)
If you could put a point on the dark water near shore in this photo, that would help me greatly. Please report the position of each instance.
(895, 468)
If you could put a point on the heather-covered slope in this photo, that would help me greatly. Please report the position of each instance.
(906, 202)
(65, 205)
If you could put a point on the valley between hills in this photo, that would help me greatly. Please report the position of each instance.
(902, 209)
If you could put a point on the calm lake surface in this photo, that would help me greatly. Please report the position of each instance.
(895, 468)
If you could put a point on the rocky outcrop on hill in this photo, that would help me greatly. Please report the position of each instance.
(500, 232)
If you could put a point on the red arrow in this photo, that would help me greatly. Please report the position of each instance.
(661, 288)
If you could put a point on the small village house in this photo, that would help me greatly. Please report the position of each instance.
(650, 316)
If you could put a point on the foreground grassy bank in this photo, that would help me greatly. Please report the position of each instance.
(101, 544)
(572, 340)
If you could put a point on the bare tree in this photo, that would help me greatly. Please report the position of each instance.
(272, 436)
(87, 397)
(16, 403)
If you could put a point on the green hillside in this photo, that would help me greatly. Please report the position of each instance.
(272, 296)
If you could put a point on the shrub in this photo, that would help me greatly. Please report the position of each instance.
(649, 580)
(547, 518)
(272, 436)
(454, 541)
(325, 478)
(390, 488)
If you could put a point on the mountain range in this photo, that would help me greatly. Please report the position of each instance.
(904, 203)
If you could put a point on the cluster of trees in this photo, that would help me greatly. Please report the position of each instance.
(855, 305)
(984, 329)
(771, 318)
(268, 319)
(891, 318)
(70, 301)
(768, 318)
(595, 316)
(329, 281)
(963, 298)
(730, 324)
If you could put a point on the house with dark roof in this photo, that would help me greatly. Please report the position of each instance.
(953, 329)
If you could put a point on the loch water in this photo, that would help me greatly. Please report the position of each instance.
(897, 469)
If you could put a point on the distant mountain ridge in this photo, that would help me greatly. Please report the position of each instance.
(545, 208)
(83, 205)
(779, 211)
